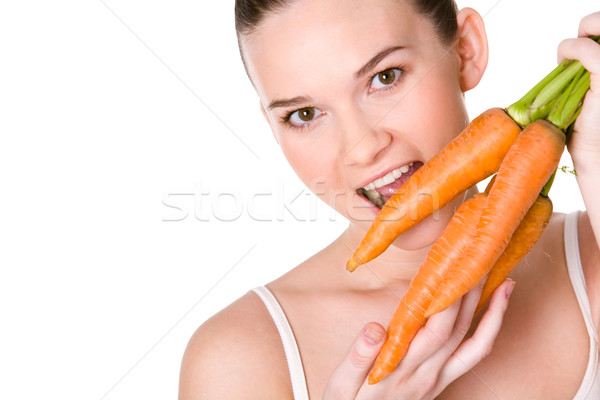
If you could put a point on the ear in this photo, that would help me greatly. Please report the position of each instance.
(264, 113)
(472, 48)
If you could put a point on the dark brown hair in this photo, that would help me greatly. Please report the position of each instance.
(249, 14)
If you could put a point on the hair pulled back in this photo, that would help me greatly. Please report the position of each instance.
(249, 14)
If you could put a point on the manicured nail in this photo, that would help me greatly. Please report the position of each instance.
(373, 336)
(510, 288)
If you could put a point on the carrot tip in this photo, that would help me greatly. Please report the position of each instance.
(373, 380)
(434, 309)
(351, 265)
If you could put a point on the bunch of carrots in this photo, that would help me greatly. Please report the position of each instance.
(491, 232)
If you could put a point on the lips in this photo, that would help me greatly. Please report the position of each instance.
(382, 189)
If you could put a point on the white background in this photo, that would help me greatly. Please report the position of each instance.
(118, 118)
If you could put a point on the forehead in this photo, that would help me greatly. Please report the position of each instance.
(311, 39)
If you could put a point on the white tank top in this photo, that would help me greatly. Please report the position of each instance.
(290, 346)
(590, 385)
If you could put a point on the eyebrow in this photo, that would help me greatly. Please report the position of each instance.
(289, 102)
(376, 59)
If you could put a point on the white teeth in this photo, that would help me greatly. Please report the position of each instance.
(388, 178)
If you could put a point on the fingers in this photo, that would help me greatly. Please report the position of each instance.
(349, 376)
(443, 332)
(431, 337)
(478, 346)
(435, 357)
(584, 49)
(590, 25)
(585, 136)
(463, 322)
(461, 326)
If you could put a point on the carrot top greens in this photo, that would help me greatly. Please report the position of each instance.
(557, 98)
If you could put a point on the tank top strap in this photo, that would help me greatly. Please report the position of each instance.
(576, 271)
(590, 386)
(290, 347)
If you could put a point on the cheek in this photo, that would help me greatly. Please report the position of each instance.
(438, 111)
(314, 161)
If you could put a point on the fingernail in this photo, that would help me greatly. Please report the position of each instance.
(373, 336)
(510, 288)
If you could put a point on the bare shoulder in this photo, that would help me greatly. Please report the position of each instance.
(236, 354)
(548, 260)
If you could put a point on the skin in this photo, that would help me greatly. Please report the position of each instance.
(362, 132)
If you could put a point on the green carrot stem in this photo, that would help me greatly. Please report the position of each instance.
(557, 98)
(569, 108)
(559, 95)
(557, 85)
(549, 92)
(559, 108)
(546, 189)
(566, 112)
(520, 111)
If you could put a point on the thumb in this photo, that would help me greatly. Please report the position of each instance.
(351, 373)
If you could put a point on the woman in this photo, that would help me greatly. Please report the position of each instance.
(354, 91)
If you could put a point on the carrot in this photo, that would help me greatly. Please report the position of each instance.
(525, 170)
(409, 316)
(526, 167)
(521, 243)
(472, 156)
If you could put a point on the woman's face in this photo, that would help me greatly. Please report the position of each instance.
(354, 90)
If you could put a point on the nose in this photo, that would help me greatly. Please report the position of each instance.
(363, 139)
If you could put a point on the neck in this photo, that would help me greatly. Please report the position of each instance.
(395, 267)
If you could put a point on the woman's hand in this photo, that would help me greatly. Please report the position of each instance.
(585, 139)
(435, 358)
(584, 143)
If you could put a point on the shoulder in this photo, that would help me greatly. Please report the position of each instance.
(552, 248)
(236, 354)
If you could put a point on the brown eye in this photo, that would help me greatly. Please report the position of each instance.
(387, 77)
(303, 116)
(306, 114)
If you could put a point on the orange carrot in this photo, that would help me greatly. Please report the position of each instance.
(521, 243)
(474, 155)
(409, 316)
(471, 157)
(525, 170)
